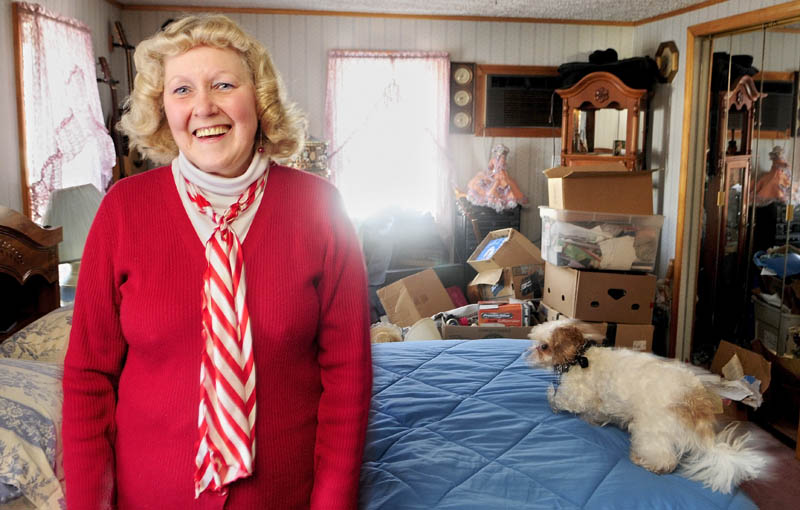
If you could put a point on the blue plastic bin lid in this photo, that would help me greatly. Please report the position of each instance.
(777, 263)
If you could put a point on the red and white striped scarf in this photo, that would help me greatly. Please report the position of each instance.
(225, 449)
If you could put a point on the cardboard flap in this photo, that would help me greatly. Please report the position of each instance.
(753, 363)
(414, 297)
(561, 172)
(489, 277)
(604, 170)
(504, 248)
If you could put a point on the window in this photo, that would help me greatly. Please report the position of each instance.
(386, 116)
(61, 122)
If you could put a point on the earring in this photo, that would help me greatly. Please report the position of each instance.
(262, 139)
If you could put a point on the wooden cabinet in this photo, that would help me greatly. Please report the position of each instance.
(28, 271)
(603, 121)
(728, 195)
(723, 286)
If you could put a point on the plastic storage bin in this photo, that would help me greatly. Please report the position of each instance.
(594, 240)
(772, 324)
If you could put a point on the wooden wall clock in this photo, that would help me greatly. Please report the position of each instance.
(462, 97)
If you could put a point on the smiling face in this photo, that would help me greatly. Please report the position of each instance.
(210, 104)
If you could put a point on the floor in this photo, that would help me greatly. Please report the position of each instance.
(781, 488)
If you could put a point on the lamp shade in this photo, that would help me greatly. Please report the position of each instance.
(73, 209)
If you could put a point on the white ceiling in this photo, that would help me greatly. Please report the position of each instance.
(604, 10)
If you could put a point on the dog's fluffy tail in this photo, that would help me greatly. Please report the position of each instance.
(726, 462)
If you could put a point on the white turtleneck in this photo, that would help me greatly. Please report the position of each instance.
(220, 191)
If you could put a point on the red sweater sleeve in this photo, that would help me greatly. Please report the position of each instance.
(346, 367)
(91, 371)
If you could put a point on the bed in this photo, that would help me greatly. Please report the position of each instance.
(33, 340)
(453, 424)
(465, 424)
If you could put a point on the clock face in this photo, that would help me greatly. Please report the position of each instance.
(462, 98)
(665, 62)
(462, 76)
(462, 120)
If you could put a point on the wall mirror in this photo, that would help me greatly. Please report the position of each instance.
(604, 131)
(739, 245)
(601, 131)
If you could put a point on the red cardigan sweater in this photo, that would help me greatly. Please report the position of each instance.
(132, 371)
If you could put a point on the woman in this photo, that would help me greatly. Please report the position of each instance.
(219, 354)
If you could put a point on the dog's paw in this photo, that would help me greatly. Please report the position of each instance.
(658, 466)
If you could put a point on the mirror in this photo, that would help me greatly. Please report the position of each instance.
(604, 131)
(748, 283)
(601, 131)
(775, 194)
(733, 100)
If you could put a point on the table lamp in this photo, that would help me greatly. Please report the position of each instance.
(73, 209)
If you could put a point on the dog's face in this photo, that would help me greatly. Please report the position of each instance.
(555, 342)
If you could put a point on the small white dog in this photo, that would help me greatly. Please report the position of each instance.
(666, 409)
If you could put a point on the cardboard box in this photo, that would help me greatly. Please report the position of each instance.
(504, 248)
(752, 364)
(608, 188)
(507, 314)
(414, 297)
(481, 332)
(600, 296)
(637, 337)
(521, 282)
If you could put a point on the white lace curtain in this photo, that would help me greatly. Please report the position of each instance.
(66, 141)
(386, 121)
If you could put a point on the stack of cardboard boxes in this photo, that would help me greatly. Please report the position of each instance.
(507, 264)
(599, 241)
(510, 268)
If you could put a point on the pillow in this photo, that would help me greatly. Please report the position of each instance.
(30, 430)
(44, 339)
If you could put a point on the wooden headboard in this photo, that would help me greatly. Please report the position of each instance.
(28, 271)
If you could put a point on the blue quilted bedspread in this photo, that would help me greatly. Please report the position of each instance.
(466, 425)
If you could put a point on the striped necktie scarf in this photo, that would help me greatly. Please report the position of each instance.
(225, 449)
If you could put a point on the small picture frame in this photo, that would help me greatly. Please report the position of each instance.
(619, 147)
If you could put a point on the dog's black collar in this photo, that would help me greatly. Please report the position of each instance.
(579, 358)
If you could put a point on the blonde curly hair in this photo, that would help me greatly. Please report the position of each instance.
(144, 120)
